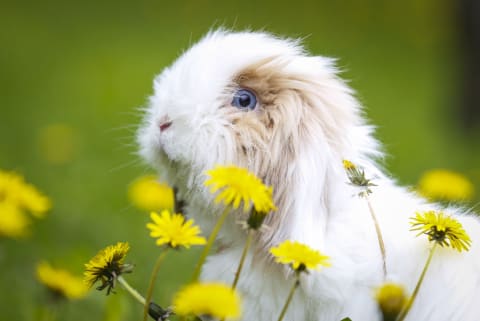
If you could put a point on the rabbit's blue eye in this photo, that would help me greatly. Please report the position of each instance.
(244, 99)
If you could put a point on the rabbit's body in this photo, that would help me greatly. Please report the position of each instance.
(295, 137)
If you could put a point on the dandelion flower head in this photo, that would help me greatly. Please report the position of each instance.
(442, 229)
(445, 185)
(148, 194)
(173, 230)
(236, 185)
(13, 222)
(299, 255)
(61, 281)
(210, 299)
(15, 190)
(107, 265)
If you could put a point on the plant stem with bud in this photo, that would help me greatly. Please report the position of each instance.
(151, 285)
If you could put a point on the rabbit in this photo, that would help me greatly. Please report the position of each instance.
(262, 102)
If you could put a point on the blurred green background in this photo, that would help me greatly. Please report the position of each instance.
(89, 65)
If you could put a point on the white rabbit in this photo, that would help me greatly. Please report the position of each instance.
(263, 103)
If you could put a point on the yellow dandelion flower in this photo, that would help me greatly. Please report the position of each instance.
(348, 165)
(35, 202)
(442, 229)
(236, 185)
(13, 222)
(391, 299)
(107, 266)
(445, 185)
(211, 299)
(61, 281)
(174, 231)
(15, 190)
(299, 255)
(148, 194)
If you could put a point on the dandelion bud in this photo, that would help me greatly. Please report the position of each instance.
(391, 299)
(157, 313)
(357, 177)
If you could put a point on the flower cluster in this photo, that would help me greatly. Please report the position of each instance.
(442, 229)
(233, 187)
(61, 282)
(16, 198)
(107, 266)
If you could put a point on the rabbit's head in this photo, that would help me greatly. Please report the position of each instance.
(259, 102)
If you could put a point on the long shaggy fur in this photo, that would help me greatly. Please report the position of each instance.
(307, 121)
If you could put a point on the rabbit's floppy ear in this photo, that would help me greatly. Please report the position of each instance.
(314, 122)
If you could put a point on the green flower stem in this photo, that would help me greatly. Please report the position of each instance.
(404, 312)
(290, 296)
(131, 290)
(381, 244)
(248, 242)
(211, 239)
(151, 285)
(242, 259)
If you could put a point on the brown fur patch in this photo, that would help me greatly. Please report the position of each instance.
(292, 113)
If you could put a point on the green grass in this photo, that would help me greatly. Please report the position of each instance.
(91, 65)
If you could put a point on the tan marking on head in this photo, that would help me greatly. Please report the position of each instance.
(292, 114)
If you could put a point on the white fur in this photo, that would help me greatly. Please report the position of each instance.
(322, 125)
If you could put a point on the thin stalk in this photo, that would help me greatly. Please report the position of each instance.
(290, 297)
(404, 312)
(151, 285)
(248, 242)
(131, 290)
(211, 239)
(381, 244)
(242, 260)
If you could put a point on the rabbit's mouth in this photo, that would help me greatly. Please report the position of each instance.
(165, 125)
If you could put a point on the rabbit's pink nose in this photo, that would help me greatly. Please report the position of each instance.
(165, 125)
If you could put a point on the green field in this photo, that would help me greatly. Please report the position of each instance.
(90, 64)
